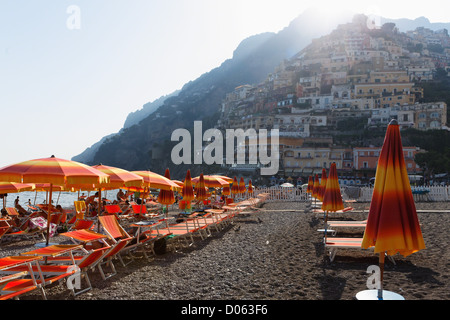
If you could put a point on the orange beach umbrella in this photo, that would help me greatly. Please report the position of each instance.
(310, 186)
(201, 189)
(156, 181)
(332, 198)
(227, 179)
(211, 181)
(235, 186)
(241, 185)
(323, 184)
(250, 187)
(315, 189)
(54, 171)
(188, 190)
(392, 224)
(166, 197)
(13, 187)
(119, 178)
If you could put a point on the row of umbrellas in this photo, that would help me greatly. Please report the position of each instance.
(392, 224)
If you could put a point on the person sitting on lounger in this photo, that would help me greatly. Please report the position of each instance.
(19, 208)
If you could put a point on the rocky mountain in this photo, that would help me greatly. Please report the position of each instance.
(146, 144)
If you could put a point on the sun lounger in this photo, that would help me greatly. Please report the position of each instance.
(51, 273)
(346, 224)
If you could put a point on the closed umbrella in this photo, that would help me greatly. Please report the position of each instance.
(323, 184)
(315, 190)
(250, 187)
(310, 186)
(392, 224)
(332, 198)
(188, 190)
(241, 185)
(54, 171)
(201, 189)
(235, 187)
(166, 197)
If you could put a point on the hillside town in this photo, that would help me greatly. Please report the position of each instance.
(356, 76)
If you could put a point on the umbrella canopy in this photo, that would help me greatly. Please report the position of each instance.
(242, 185)
(226, 190)
(250, 187)
(120, 178)
(235, 186)
(188, 190)
(310, 186)
(315, 189)
(287, 185)
(54, 171)
(332, 198)
(392, 223)
(211, 181)
(201, 189)
(323, 184)
(14, 187)
(166, 197)
(156, 181)
(227, 179)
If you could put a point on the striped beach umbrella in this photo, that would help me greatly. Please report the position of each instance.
(188, 190)
(310, 186)
(242, 186)
(315, 189)
(54, 171)
(200, 189)
(323, 184)
(14, 187)
(156, 181)
(226, 190)
(392, 224)
(235, 186)
(250, 187)
(332, 198)
(227, 179)
(119, 178)
(211, 181)
(166, 197)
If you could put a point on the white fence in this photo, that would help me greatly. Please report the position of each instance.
(362, 194)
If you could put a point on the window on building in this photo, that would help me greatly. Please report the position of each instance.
(365, 165)
(422, 115)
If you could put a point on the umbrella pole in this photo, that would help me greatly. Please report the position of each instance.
(381, 264)
(49, 211)
(326, 224)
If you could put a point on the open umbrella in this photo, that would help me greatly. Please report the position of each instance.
(157, 181)
(166, 197)
(227, 179)
(323, 184)
(118, 178)
(13, 187)
(211, 181)
(54, 171)
(287, 185)
(332, 198)
(392, 223)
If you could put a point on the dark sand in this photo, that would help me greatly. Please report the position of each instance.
(275, 254)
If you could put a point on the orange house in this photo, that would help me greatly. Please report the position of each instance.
(367, 158)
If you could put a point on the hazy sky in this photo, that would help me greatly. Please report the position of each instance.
(71, 71)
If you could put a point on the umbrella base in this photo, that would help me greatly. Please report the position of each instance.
(373, 295)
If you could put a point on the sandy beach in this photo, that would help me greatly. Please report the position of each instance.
(274, 254)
